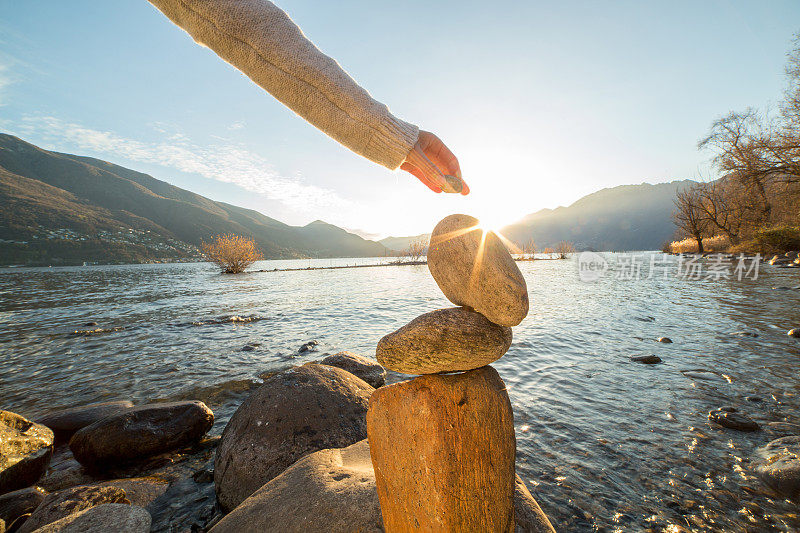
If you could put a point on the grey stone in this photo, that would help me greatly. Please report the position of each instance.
(19, 502)
(141, 432)
(367, 369)
(296, 412)
(473, 268)
(63, 503)
(646, 359)
(528, 516)
(778, 465)
(447, 340)
(25, 451)
(105, 518)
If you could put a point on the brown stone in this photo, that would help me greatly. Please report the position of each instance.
(528, 515)
(473, 268)
(69, 501)
(328, 490)
(141, 491)
(778, 465)
(443, 450)
(367, 369)
(65, 422)
(25, 451)
(141, 432)
(447, 340)
(296, 412)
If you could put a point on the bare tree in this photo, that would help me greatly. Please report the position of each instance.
(564, 249)
(689, 215)
(416, 251)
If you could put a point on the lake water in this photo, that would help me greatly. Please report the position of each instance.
(604, 443)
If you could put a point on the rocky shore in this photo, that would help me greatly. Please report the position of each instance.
(327, 446)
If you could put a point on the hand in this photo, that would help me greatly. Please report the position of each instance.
(430, 160)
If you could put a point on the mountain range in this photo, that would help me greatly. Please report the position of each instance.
(60, 208)
(65, 209)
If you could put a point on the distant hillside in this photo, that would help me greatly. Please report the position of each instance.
(64, 209)
(628, 217)
(402, 243)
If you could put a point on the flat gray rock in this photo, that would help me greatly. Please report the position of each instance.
(473, 268)
(296, 412)
(528, 516)
(367, 369)
(69, 501)
(778, 465)
(65, 422)
(105, 518)
(25, 451)
(446, 340)
(328, 490)
(140, 432)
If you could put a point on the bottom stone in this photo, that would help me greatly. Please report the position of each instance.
(443, 450)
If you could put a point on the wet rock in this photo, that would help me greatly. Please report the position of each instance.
(69, 501)
(443, 450)
(116, 517)
(141, 491)
(296, 412)
(141, 432)
(328, 490)
(310, 346)
(646, 359)
(753, 398)
(25, 451)
(367, 369)
(66, 422)
(90, 324)
(528, 516)
(778, 465)
(250, 346)
(794, 333)
(665, 340)
(731, 419)
(446, 340)
(474, 269)
(20, 502)
(203, 476)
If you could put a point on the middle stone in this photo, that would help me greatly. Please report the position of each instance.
(448, 340)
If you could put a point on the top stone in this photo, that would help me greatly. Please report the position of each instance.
(473, 268)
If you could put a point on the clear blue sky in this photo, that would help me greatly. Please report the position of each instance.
(542, 102)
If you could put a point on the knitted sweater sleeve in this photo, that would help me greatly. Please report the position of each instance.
(258, 38)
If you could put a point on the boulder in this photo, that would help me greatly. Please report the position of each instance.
(66, 422)
(778, 465)
(474, 269)
(447, 340)
(443, 450)
(63, 503)
(296, 412)
(116, 517)
(528, 516)
(141, 491)
(141, 432)
(665, 340)
(731, 419)
(25, 451)
(19, 502)
(646, 359)
(328, 490)
(367, 369)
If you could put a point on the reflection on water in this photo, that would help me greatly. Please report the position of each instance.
(604, 442)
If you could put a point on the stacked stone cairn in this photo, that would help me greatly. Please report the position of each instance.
(442, 444)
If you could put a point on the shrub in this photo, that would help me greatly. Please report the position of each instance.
(231, 253)
(564, 249)
(717, 243)
(778, 239)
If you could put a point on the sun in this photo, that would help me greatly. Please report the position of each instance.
(492, 220)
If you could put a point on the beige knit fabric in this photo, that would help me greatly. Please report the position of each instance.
(259, 39)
